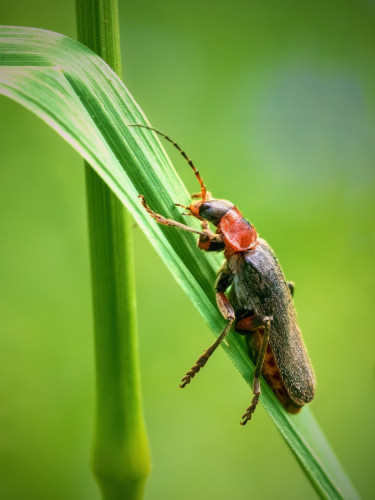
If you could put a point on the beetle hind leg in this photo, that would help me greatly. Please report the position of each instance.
(254, 402)
(202, 360)
(226, 309)
(255, 323)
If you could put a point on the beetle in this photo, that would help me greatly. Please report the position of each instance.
(260, 301)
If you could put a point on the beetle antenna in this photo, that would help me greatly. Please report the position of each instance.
(196, 172)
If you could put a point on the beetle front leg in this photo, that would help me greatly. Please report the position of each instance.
(226, 309)
(257, 322)
(209, 241)
(167, 222)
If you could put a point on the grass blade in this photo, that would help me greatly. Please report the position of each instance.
(77, 94)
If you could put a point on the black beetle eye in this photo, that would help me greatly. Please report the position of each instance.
(205, 211)
(214, 210)
(205, 206)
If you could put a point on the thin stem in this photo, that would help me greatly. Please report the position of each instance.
(121, 459)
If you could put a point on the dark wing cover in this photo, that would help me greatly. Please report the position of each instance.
(259, 284)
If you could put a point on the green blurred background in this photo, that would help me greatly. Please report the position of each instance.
(274, 101)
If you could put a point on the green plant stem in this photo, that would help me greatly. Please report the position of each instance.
(121, 459)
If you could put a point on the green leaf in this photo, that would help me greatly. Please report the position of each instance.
(76, 93)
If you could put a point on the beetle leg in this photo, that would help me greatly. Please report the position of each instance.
(168, 222)
(291, 287)
(224, 280)
(263, 322)
(209, 241)
(228, 313)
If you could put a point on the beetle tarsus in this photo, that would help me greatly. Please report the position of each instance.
(201, 361)
(250, 410)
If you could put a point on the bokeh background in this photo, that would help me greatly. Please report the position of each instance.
(274, 101)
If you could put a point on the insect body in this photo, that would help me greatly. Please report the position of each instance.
(260, 302)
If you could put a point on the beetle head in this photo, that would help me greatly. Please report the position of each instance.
(210, 209)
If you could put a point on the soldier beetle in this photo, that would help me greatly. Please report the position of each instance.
(259, 304)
